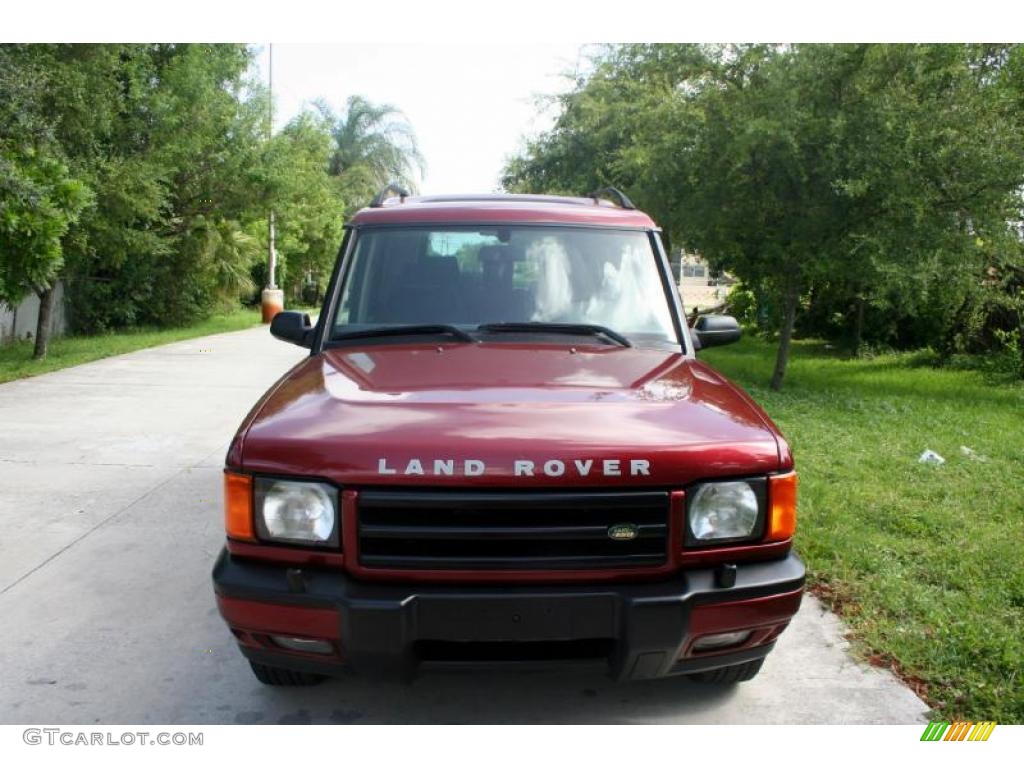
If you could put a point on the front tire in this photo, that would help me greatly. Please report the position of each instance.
(738, 673)
(283, 677)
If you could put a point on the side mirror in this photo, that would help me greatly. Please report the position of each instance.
(293, 327)
(716, 330)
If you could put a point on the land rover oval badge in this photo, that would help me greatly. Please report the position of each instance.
(623, 532)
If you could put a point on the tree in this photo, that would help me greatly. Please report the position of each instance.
(308, 202)
(621, 125)
(141, 176)
(168, 146)
(374, 145)
(855, 174)
(170, 138)
(39, 198)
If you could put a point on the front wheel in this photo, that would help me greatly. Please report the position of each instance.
(738, 673)
(277, 676)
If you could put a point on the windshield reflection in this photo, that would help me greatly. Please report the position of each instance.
(472, 276)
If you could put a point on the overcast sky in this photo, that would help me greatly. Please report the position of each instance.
(469, 105)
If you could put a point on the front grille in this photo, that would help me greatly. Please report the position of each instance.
(501, 530)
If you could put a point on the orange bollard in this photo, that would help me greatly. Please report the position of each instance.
(272, 302)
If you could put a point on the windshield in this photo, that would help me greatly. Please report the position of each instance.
(468, 277)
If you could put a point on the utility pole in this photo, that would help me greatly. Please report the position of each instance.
(272, 298)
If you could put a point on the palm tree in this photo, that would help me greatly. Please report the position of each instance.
(374, 145)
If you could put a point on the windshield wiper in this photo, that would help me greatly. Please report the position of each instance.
(435, 329)
(572, 329)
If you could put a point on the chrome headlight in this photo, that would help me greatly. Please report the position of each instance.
(726, 511)
(296, 511)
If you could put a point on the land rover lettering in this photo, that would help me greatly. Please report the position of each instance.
(519, 467)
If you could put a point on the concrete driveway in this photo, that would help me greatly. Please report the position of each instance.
(110, 477)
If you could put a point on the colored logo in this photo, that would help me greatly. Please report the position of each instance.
(958, 731)
(623, 532)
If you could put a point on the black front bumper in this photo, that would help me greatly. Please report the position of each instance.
(644, 627)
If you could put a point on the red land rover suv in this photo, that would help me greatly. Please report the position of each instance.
(503, 448)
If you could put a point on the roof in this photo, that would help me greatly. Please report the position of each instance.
(502, 209)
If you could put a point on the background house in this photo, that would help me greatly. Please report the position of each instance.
(700, 286)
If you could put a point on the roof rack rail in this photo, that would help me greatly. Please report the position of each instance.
(617, 195)
(389, 191)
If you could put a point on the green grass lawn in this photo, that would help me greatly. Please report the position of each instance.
(16, 359)
(925, 563)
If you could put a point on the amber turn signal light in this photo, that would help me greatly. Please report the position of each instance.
(238, 506)
(782, 514)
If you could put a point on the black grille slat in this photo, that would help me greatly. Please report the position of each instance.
(657, 531)
(446, 530)
(421, 562)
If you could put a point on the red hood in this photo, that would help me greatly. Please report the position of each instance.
(338, 414)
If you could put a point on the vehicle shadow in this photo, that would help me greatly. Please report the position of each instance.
(573, 695)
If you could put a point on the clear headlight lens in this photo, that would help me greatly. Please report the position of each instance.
(727, 510)
(296, 511)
